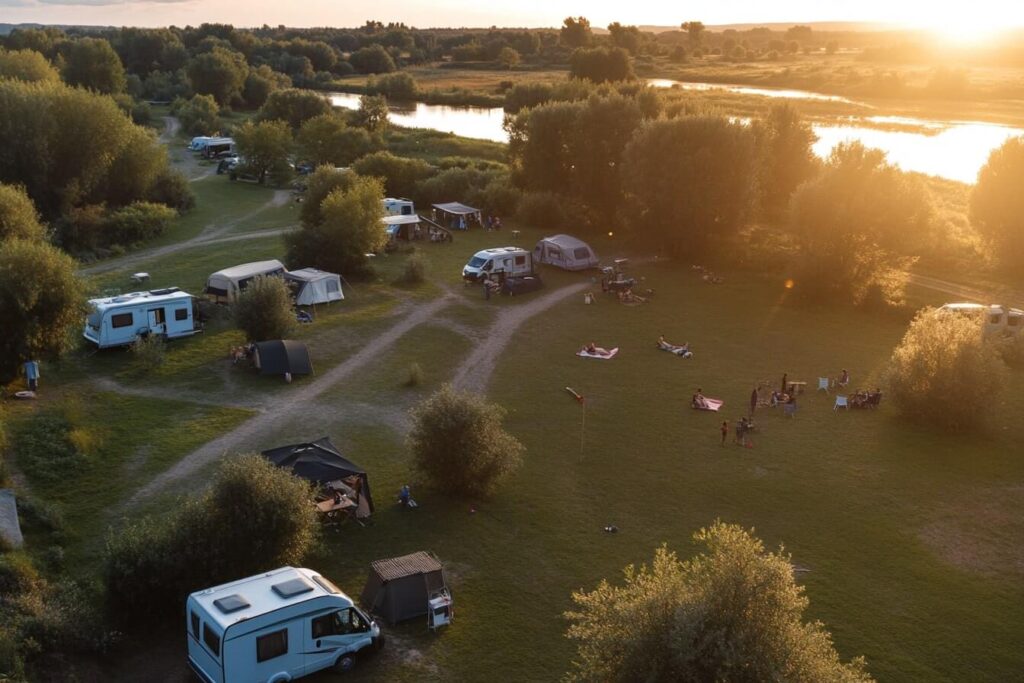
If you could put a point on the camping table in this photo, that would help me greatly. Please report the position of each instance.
(796, 387)
(328, 506)
(140, 277)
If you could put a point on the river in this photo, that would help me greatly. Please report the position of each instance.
(949, 149)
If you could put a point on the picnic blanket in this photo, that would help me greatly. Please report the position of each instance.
(712, 404)
(677, 350)
(611, 354)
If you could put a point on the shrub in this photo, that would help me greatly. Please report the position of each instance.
(415, 377)
(172, 189)
(400, 174)
(254, 517)
(373, 59)
(544, 210)
(395, 86)
(264, 310)
(457, 443)
(137, 222)
(141, 113)
(413, 272)
(943, 369)
(45, 450)
(149, 351)
(18, 215)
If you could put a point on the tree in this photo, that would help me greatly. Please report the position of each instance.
(265, 146)
(144, 50)
(628, 38)
(349, 228)
(575, 32)
(261, 82)
(943, 368)
(690, 181)
(320, 55)
(997, 203)
(399, 174)
(854, 223)
(784, 154)
(18, 215)
(264, 310)
(328, 139)
(253, 518)
(199, 115)
(399, 86)
(508, 57)
(695, 31)
(372, 113)
(26, 65)
(41, 303)
(320, 183)
(219, 72)
(294, 106)
(458, 443)
(372, 59)
(92, 63)
(733, 612)
(601, 64)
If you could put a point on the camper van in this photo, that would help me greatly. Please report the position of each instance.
(398, 207)
(498, 264)
(275, 627)
(120, 320)
(198, 143)
(224, 286)
(996, 319)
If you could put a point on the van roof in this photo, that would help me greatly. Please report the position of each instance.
(253, 596)
(135, 298)
(497, 251)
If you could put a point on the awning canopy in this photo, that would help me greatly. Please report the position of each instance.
(319, 462)
(400, 220)
(457, 209)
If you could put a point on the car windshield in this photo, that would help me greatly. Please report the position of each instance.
(476, 262)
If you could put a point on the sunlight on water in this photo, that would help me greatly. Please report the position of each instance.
(750, 90)
(950, 149)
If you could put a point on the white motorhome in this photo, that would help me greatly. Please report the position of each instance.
(224, 286)
(498, 264)
(120, 320)
(275, 627)
(996, 319)
(399, 207)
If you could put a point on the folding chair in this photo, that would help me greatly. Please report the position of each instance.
(823, 384)
(841, 402)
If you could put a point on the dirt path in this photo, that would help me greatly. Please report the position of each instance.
(297, 404)
(475, 372)
(172, 394)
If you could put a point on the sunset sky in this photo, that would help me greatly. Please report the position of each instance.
(979, 16)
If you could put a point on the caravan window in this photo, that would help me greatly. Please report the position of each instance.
(995, 318)
(332, 286)
(272, 645)
(242, 284)
(212, 640)
(181, 314)
(121, 320)
(488, 265)
(581, 253)
(555, 253)
(520, 260)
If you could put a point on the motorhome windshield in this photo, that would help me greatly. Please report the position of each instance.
(476, 262)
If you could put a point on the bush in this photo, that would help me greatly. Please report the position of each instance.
(150, 352)
(45, 450)
(173, 189)
(413, 272)
(457, 443)
(264, 310)
(137, 222)
(395, 86)
(141, 113)
(254, 517)
(545, 210)
(943, 369)
(373, 59)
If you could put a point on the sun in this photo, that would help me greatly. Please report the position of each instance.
(963, 28)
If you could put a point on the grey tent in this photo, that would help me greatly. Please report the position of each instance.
(399, 588)
(565, 251)
(280, 356)
(320, 462)
(314, 286)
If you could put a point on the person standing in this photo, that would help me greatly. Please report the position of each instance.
(785, 376)
(753, 401)
(725, 431)
(32, 374)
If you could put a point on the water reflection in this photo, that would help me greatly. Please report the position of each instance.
(751, 90)
(470, 122)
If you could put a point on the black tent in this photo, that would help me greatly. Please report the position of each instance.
(321, 462)
(399, 588)
(282, 355)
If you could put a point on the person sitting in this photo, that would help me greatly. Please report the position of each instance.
(843, 379)
(592, 349)
(699, 401)
(404, 496)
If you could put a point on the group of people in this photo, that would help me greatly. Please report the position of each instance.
(865, 399)
(493, 223)
(242, 352)
(744, 426)
(626, 296)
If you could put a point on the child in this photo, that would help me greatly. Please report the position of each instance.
(725, 431)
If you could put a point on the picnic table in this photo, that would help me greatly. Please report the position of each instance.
(795, 387)
(329, 506)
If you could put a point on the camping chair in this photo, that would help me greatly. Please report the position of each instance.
(790, 409)
(841, 402)
(823, 384)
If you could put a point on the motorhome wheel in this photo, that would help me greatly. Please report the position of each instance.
(346, 662)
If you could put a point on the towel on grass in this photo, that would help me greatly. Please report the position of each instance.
(611, 354)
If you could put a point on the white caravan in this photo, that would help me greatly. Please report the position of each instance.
(275, 627)
(120, 320)
(996, 319)
(498, 264)
(226, 285)
(398, 207)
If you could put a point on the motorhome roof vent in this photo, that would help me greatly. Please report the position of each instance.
(292, 587)
(231, 603)
(121, 299)
(165, 290)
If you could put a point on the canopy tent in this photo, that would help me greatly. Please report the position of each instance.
(227, 284)
(400, 588)
(280, 356)
(402, 227)
(315, 286)
(459, 213)
(565, 251)
(320, 462)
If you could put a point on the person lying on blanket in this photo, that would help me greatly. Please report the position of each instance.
(594, 350)
(665, 345)
(699, 401)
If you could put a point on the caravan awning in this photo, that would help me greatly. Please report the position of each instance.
(457, 209)
(400, 220)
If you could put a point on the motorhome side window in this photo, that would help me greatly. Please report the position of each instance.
(121, 320)
(181, 314)
(272, 645)
(520, 260)
(195, 625)
(212, 640)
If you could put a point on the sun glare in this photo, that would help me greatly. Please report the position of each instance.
(964, 29)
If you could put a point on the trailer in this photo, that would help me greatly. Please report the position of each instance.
(275, 627)
(225, 286)
(122, 319)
